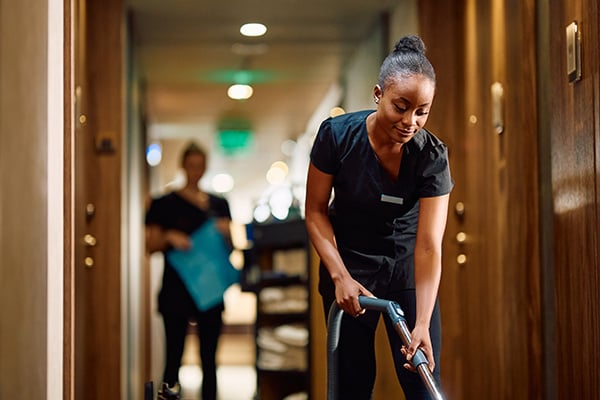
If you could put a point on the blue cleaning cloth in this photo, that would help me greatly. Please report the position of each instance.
(205, 268)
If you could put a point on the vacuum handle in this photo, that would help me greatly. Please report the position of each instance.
(419, 360)
(373, 303)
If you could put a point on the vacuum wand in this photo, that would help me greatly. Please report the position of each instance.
(396, 315)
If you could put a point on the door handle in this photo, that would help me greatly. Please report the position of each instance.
(461, 239)
(88, 262)
(89, 240)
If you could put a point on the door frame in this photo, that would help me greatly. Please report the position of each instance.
(69, 37)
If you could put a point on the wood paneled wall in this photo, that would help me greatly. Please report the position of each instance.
(25, 192)
(490, 303)
(521, 315)
(575, 149)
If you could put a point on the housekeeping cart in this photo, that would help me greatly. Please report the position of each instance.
(396, 315)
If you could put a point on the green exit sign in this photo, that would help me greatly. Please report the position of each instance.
(233, 141)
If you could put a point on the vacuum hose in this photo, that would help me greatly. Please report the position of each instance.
(396, 315)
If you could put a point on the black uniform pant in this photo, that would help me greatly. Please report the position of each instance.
(356, 369)
(208, 327)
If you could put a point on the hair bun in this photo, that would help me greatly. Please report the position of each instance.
(411, 43)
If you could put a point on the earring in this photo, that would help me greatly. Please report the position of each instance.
(376, 100)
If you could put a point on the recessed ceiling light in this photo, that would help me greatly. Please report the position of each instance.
(253, 29)
(240, 92)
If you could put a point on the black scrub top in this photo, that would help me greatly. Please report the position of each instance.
(374, 216)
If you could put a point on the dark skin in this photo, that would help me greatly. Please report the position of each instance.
(402, 110)
(159, 239)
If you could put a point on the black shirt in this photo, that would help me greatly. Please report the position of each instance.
(374, 216)
(172, 211)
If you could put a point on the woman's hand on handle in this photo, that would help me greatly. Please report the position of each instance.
(347, 291)
(419, 340)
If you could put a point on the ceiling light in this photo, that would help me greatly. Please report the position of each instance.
(240, 92)
(253, 29)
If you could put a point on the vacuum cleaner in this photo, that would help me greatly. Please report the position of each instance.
(396, 315)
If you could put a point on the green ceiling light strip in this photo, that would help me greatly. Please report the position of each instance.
(245, 77)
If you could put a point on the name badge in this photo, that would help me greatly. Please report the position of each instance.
(392, 199)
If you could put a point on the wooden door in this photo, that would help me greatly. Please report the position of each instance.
(97, 198)
(490, 293)
(573, 134)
